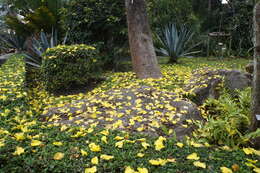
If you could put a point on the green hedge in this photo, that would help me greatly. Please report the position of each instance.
(64, 66)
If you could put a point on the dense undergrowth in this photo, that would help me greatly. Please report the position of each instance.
(29, 145)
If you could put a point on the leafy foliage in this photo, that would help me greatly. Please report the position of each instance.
(100, 22)
(64, 66)
(162, 12)
(228, 120)
(174, 42)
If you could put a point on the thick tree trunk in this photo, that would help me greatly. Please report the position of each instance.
(256, 82)
(140, 40)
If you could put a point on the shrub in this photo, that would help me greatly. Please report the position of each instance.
(64, 66)
(228, 120)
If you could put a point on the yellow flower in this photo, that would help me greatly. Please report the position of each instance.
(128, 169)
(257, 170)
(106, 157)
(83, 152)
(94, 160)
(91, 170)
(57, 143)
(159, 143)
(145, 145)
(142, 170)
(118, 138)
(18, 151)
(140, 155)
(193, 156)
(93, 147)
(158, 162)
(199, 164)
(35, 143)
(104, 139)
(225, 170)
(19, 136)
(120, 144)
(58, 156)
(104, 132)
(180, 144)
(248, 151)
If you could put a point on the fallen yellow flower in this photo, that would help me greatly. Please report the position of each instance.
(18, 151)
(193, 156)
(58, 156)
(199, 164)
(225, 170)
(106, 157)
(91, 170)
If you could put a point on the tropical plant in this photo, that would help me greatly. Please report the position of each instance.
(175, 42)
(34, 54)
(228, 120)
(12, 40)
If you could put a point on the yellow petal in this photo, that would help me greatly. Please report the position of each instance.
(199, 164)
(159, 143)
(94, 160)
(128, 169)
(118, 138)
(18, 151)
(142, 170)
(57, 143)
(180, 144)
(19, 136)
(140, 155)
(158, 162)
(93, 147)
(91, 170)
(193, 156)
(145, 145)
(106, 157)
(225, 170)
(35, 143)
(104, 139)
(58, 156)
(248, 151)
(257, 170)
(120, 144)
(83, 152)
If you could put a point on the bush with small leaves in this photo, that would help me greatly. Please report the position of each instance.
(65, 66)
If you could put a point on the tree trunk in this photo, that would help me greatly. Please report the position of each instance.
(256, 81)
(143, 55)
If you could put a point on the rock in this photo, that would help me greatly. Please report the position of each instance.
(250, 68)
(140, 110)
(206, 83)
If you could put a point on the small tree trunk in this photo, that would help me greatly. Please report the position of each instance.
(144, 59)
(256, 81)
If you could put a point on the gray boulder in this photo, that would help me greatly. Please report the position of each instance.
(206, 83)
(140, 110)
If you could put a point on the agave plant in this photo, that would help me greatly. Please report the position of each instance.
(12, 40)
(175, 42)
(39, 46)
